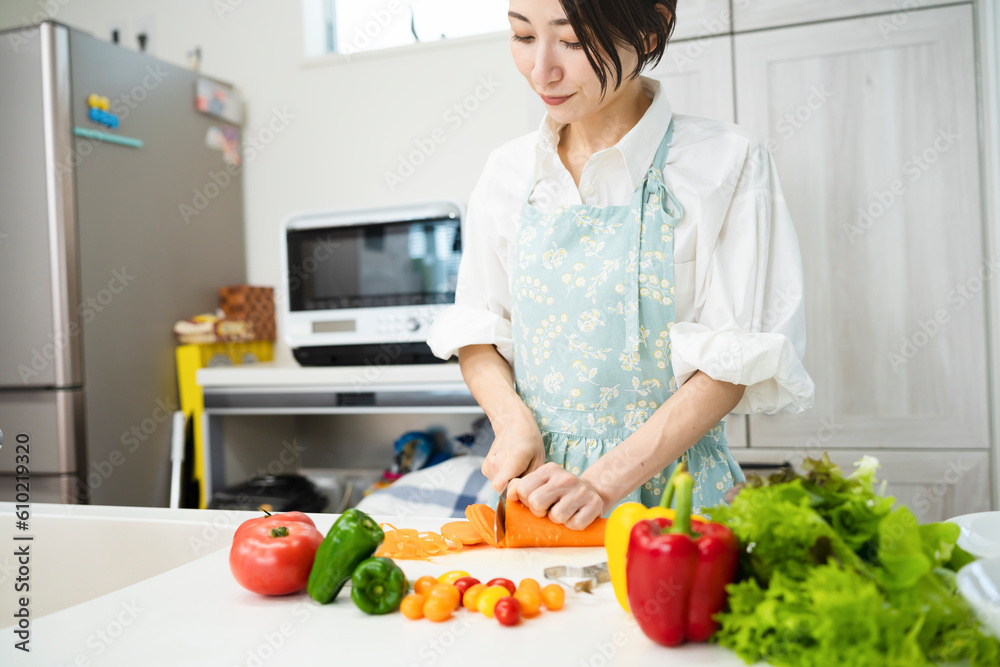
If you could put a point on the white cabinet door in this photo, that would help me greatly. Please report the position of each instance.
(933, 485)
(756, 14)
(698, 18)
(697, 76)
(875, 139)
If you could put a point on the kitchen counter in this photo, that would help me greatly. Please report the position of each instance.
(285, 374)
(169, 612)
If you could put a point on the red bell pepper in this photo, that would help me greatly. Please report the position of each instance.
(677, 572)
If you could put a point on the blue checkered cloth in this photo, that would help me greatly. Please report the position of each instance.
(443, 490)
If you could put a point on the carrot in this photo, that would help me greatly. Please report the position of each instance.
(524, 529)
(461, 531)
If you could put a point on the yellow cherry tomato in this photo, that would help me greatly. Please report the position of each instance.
(489, 598)
(471, 598)
(452, 577)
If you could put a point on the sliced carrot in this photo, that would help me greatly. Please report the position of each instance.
(461, 531)
(410, 544)
(524, 529)
(482, 518)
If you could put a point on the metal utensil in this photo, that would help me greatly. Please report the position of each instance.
(500, 522)
(592, 575)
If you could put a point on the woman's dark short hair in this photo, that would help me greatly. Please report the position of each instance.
(603, 25)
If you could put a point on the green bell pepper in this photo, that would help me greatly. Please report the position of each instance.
(378, 586)
(353, 537)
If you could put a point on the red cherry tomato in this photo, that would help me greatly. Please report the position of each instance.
(507, 611)
(464, 584)
(272, 555)
(506, 583)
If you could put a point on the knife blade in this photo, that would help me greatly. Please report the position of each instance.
(500, 522)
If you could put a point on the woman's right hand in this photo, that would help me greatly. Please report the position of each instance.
(517, 448)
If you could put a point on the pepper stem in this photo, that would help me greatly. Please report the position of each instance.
(668, 490)
(684, 489)
(280, 531)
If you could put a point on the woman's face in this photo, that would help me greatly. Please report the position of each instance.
(548, 55)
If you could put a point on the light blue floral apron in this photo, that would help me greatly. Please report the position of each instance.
(592, 307)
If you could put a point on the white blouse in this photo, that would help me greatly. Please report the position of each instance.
(738, 298)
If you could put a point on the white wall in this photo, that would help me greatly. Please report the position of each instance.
(352, 120)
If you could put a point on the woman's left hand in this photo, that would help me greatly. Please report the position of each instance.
(554, 491)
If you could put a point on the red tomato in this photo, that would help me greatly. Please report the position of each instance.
(506, 583)
(287, 516)
(272, 555)
(464, 584)
(507, 611)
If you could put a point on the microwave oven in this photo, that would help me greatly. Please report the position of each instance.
(362, 286)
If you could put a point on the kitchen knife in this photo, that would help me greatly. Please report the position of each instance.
(500, 523)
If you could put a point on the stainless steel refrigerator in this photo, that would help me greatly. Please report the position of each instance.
(110, 231)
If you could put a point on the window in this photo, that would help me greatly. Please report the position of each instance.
(355, 26)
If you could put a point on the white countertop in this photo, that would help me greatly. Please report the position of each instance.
(290, 374)
(196, 614)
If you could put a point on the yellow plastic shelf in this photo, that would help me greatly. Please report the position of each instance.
(189, 359)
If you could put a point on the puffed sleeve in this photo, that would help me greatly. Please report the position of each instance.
(750, 318)
(481, 313)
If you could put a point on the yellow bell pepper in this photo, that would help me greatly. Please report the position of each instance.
(619, 528)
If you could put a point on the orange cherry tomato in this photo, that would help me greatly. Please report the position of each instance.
(488, 600)
(529, 584)
(445, 592)
(412, 606)
(437, 609)
(464, 584)
(471, 598)
(423, 584)
(531, 601)
(553, 596)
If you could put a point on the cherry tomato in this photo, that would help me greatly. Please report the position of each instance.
(531, 601)
(464, 584)
(445, 592)
(437, 609)
(507, 611)
(452, 577)
(553, 596)
(489, 598)
(471, 598)
(412, 606)
(506, 583)
(272, 555)
(529, 583)
(423, 584)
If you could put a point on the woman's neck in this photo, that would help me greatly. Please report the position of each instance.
(607, 126)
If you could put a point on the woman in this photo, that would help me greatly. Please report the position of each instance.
(629, 277)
